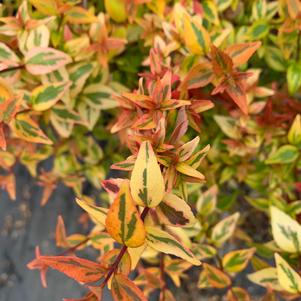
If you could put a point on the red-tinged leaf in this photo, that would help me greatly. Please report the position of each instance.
(180, 128)
(126, 165)
(60, 233)
(8, 182)
(143, 101)
(124, 120)
(216, 277)
(221, 62)
(79, 269)
(112, 185)
(241, 53)
(238, 294)
(236, 92)
(37, 264)
(294, 8)
(124, 289)
(2, 138)
(155, 62)
(199, 76)
(200, 106)
(145, 122)
(88, 297)
(43, 60)
(170, 104)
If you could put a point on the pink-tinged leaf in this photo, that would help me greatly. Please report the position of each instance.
(186, 150)
(180, 128)
(112, 186)
(60, 233)
(199, 76)
(200, 106)
(221, 62)
(2, 138)
(237, 93)
(124, 289)
(43, 60)
(170, 104)
(143, 101)
(241, 53)
(124, 120)
(79, 269)
(145, 122)
(8, 182)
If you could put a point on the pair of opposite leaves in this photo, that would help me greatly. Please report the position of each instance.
(146, 188)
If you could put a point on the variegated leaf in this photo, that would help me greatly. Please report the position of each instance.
(123, 221)
(174, 211)
(164, 242)
(43, 60)
(147, 183)
(286, 231)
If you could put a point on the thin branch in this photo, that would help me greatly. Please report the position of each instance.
(12, 68)
(115, 264)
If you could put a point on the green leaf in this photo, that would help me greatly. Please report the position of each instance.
(293, 77)
(284, 155)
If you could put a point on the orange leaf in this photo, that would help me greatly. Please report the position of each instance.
(241, 53)
(216, 277)
(79, 269)
(60, 233)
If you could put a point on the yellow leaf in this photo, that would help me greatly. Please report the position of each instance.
(79, 15)
(164, 242)
(266, 278)
(147, 183)
(189, 171)
(236, 261)
(294, 134)
(286, 231)
(97, 214)
(46, 7)
(123, 222)
(196, 37)
(288, 278)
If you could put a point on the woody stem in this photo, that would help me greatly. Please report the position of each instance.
(115, 264)
(12, 68)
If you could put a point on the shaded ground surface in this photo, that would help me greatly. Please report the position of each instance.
(24, 224)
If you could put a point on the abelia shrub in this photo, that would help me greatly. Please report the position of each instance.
(195, 106)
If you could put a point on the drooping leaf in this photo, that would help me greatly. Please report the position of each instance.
(123, 221)
(147, 183)
(124, 289)
(79, 269)
(164, 242)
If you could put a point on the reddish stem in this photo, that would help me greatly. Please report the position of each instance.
(115, 264)
(12, 68)
(74, 248)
